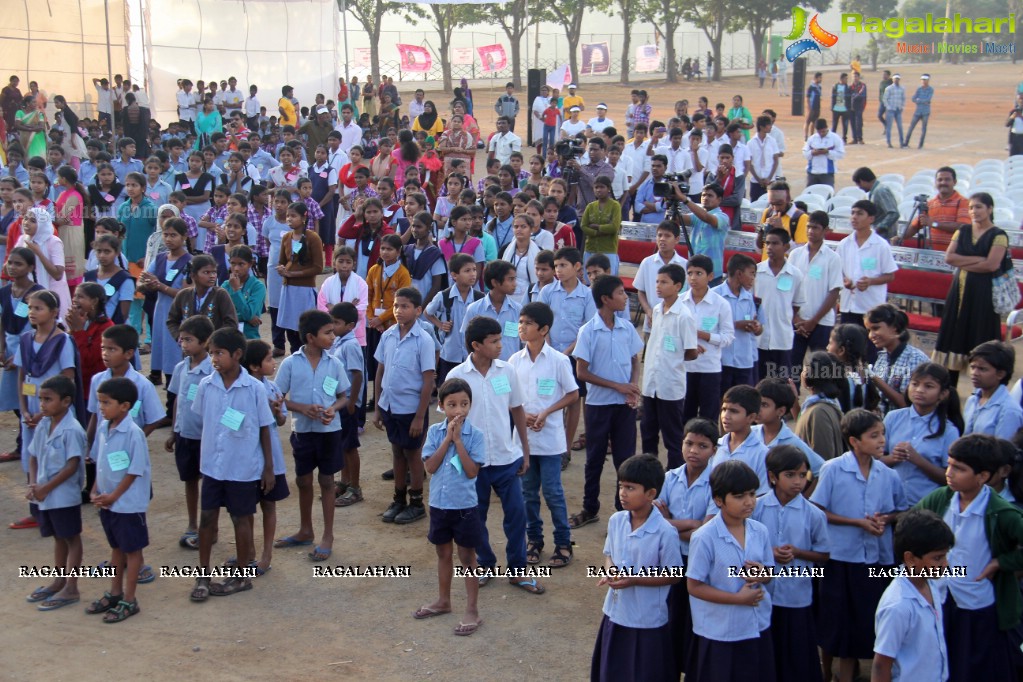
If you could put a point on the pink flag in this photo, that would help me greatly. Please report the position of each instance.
(414, 58)
(492, 57)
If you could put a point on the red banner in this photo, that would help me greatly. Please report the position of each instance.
(414, 58)
(493, 58)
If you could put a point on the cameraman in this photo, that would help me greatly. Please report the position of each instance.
(887, 222)
(710, 225)
(781, 212)
(650, 207)
(946, 212)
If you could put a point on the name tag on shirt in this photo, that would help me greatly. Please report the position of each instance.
(154, 195)
(323, 174)
(21, 310)
(186, 185)
(500, 384)
(545, 386)
(192, 390)
(135, 409)
(296, 246)
(232, 419)
(708, 323)
(868, 263)
(108, 197)
(118, 461)
(330, 386)
(28, 389)
(456, 462)
(109, 289)
(669, 343)
(785, 283)
(511, 329)
(172, 274)
(816, 272)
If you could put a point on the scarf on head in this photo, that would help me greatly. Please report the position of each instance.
(428, 120)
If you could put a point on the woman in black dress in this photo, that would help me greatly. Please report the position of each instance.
(979, 253)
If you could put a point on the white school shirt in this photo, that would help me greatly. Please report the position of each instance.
(646, 278)
(872, 259)
(679, 160)
(825, 163)
(638, 159)
(573, 128)
(779, 139)
(779, 295)
(621, 180)
(544, 382)
(504, 145)
(672, 333)
(713, 315)
(232, 97)
(186, 105)
(740, 155)
(525, 269)
(493, 398)
(251, 106)
(762, 155)
(696, 180)
(351, 135)
(821, 275)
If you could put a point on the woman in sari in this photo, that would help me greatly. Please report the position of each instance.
(469, 125)
(30, 122)
(69, 223)
(978, 253)
(206, 123)
(467, 95)
(369, 102)
(456, 143)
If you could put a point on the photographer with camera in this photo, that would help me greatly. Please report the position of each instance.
(887, 219)
(1015, 126)
(649, 205)
(781, 212)
(944, 213)
(710, 224)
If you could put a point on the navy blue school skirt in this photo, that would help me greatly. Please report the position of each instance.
(623, 654)
(795, 644)
(848, 600)
(977, 649)
(748, 660)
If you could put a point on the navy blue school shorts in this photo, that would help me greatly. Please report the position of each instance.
(461, 525)
(280, 491)
(62, 523)
(349, 432)
(239, 497)
(398, 426)
(186, 456)
(315, 450)
(126, 532)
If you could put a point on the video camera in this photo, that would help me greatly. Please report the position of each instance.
(663, 189)
(569, 149)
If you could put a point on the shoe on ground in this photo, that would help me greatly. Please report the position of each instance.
(393, 511)
(388, 475)
(410, 514)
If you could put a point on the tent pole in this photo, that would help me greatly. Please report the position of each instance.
(110, 67)
(344, 22)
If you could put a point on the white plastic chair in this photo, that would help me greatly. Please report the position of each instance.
(814, 202)
(893, 178)
(924, 173)
(989, 164)
(1004, 217)
(963, 170)
(823, 191)
(840, 204)
(963, 187)
(854, 193)
(989, 178)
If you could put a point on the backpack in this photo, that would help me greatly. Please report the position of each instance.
(449, 300)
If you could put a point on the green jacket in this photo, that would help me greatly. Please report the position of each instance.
(1003, 526)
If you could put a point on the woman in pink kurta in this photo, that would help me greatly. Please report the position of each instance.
(68, 220)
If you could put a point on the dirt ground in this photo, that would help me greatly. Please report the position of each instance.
(292, 625)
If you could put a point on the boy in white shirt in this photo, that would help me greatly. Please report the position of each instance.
(715, 330)
(646, 276)
(779, 286)
(822, 282)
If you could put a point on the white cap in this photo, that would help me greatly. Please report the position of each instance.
(322, 110)
(602, 106)
(574, 109)
(925, 77)
(571, 86)
(896, 76)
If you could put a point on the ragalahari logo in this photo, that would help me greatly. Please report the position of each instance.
(818, 36)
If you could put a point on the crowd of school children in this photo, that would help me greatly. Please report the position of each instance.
(805, 531)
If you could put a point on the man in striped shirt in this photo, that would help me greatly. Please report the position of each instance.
(894, 103)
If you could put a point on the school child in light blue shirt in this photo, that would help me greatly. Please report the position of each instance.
(910, 640)
(990, 409)
(607, 354)
(346, 348)
(118, 286)
(447, 312)
(798, 532)
(574, 306)
(235, 458)
(862, 498)
(121, 492)
(500, 278)
(983, 608)
(56, 475)
(776, 402)
(634, 640)
(119, 345)
(260, 364)
(731, 612)
(739, 358)
(402, 388)
(740, 407)
(453, 454)
(917, 438)
(184, 441)
(686, 502)
(316, 387)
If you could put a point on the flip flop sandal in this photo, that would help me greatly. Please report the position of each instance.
(104, 604)
(146, 575)
(123, 611)
(189, 539)
(260, 572)
(10, 457)
(40, 594)
(54, 604)
(290, 541)
(201, 591)
(466, 629)
(320, 553)
(425, 612)
(230, 586)
(23, 524)
(530, 585)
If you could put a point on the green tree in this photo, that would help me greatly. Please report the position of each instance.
(627, 10)
(569, 14)
(872, 8)
(667, 15)
(716, 18)
(444, 19)
(513, 18)
(369, 13)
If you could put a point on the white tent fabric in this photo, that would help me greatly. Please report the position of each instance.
(62, 44)
(268, 43)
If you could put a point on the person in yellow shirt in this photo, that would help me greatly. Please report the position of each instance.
(572, 100)
(286, 107)
(856, 66)
(781, 212)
